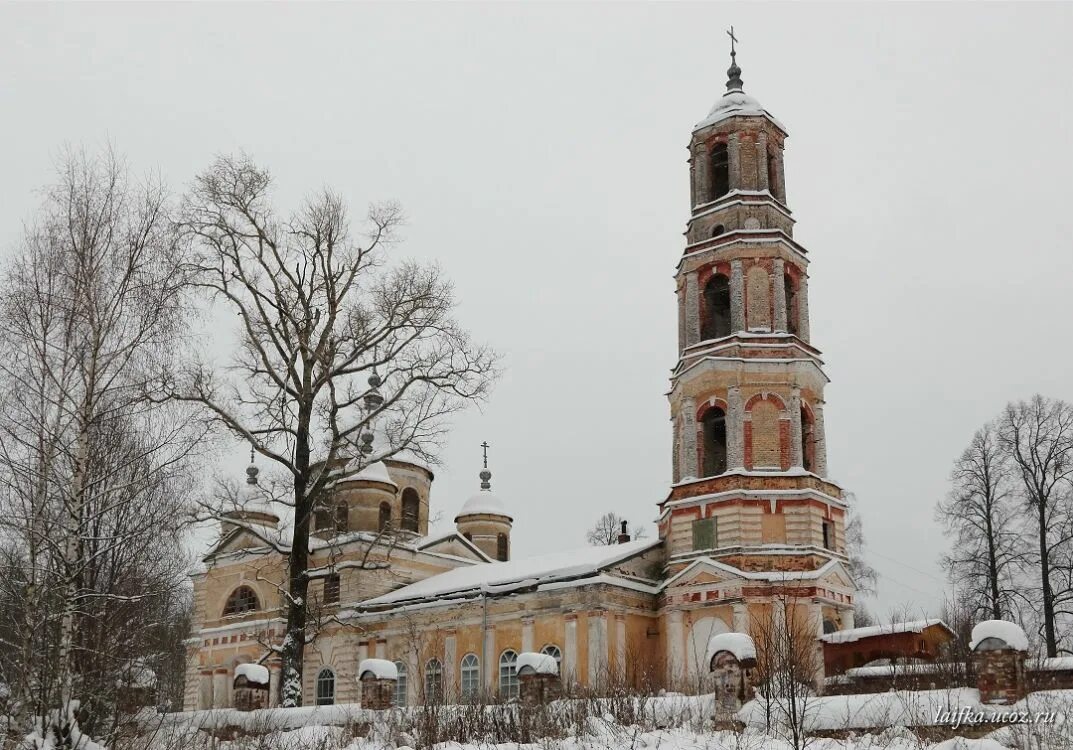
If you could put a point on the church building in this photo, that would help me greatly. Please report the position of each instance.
(751, 532)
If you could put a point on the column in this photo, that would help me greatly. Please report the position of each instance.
(802, 309)
(450, 665)
(819, 439)
(597, 648)
(490, 661)
(761, 161)
(780, 295)
(675, 659)
(689, 438)
(797, 458)
(527, 634)
(816, 615)
(219, 688)
(204, 693)
(620, 648)
(741, 618)
(569, 664)
(735, 429)
(692, 302)
(700, 170)
(273, 685)
(415, 685)
(737, 296)
(734, 154)
(847, 619)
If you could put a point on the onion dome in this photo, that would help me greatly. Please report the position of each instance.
(253, 503)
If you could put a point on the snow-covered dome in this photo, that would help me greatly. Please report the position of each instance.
(374, 472)
(484, 503)
(253, 502)
(735, 102)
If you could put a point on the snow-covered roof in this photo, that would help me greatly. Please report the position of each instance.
(484, 503)
(381, 669)
(1009, 633)
(856, 634)
(734, 104)
(539, 663)
(374, 472)
(502, 577)
(256, 674)
(739, 644)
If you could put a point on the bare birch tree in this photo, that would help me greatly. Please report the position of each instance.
(981, 516)
(1038, 436)
(864, 575)
(333, 341)
(92, 308)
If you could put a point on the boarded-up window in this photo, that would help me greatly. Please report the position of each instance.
(705, 534)
(773, 528)
(758, 284)
(765, 435)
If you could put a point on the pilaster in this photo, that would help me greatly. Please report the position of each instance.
(700, 167)
(761, 161)
(569, 663)
(797, 458)
(692, 302)
(734, 154)
(735, 428)
(689, 438)
(737, 296)
(802, 309)
(779, 287)
(819, 438)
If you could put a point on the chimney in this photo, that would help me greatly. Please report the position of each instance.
(623, 536)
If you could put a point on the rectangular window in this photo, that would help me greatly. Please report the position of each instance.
(828, 535)
(705, 534)
(331, 589)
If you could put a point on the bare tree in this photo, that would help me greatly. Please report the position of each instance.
(981, 516)
(788, 663)
(332, 342)
(1038, 437)
(92, 307)
(864, 575)
(607, 529)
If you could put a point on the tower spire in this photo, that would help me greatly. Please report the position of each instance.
(485, 475)
(734, 82)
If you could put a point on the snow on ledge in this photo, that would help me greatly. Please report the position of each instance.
(539, 663)
(738, 644)
(856, 634)
(255, 674)
(381, 669)
(1009, 633)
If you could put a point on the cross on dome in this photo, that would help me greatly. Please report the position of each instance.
(734, 82)
(485, 474)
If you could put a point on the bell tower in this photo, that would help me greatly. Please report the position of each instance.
(750, 488)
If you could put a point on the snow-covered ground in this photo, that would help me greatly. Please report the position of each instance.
(673, 722)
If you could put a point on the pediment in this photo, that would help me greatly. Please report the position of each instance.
(455, 545)
(704, 572)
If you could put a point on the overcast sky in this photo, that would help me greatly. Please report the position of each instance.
(540, 154)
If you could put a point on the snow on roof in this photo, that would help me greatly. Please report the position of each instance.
(1009, 633)
(739, 644)
(539, 663)
(256, 674)
(374, 472)
(484, 502)
(501, 577)
(380, 669)
(733, 104)
(856, 634)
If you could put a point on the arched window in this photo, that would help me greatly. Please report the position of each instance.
(791, 303)
(772, 174)
(400, 684)
(508, 675)
(342, 517)
(720, 171)
(502, 547)
(555, 653)
(716, 308)
(808, 441)
(325, 687)
(411, 509)
(714, 426)
(717, 230)
(242, 600)
(471, 676)
(433, 682)
(385, 516)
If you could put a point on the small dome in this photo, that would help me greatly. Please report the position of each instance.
(484, 503)
(252, 498)
(374, 472)
(733, 104)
